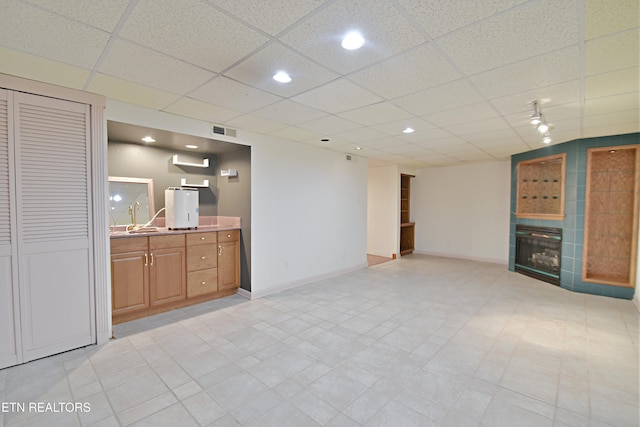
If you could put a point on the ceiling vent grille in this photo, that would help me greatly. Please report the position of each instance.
(221, 130)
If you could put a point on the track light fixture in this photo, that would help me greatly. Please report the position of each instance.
(538, 120)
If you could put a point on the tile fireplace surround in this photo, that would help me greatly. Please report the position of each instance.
(573, 223)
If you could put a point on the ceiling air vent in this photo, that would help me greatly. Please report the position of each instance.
(221, 130)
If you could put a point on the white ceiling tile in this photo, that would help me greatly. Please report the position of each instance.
(438, 18)
(385, 29)
(620, 117)
(255, 124)
(294, 133)
(233, 95)
(443, 142)
(496, 137)
(421, 68)
(530, 74)
(613, 83)
(258, 71)
(329, 125)
(289, 112)
(548, 96)
(97, 13)
(611, 104)
(552, 114)
(435, 157)
(451, 149)
(271, 17)
(602, 17)
(189, 107)
(360, 135)
(535, 28)
(133, 93)
(33, 30)
(555, 113)
(433, 136)
(612, 53)
(472, 157)
(190, 30)
(138, 64)
(610, 129)
(337, 96)
(467, 113)
(406, 149)
(395, 128)
(382, 112)
(442, 97)
(41, 69)
(486, 125)
(383, 143)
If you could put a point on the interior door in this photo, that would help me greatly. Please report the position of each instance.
(52, 155)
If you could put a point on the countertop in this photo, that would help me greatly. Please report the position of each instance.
(161, 231)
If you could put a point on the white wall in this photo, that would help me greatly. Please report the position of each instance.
(463, 211)
(309, 204)
(309, 214)
(383, 209)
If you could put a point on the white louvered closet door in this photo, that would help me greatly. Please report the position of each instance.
(52, 154)
(10, 350)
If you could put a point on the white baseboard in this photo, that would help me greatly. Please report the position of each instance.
(458, 256)
(244, 293)
(290, 285)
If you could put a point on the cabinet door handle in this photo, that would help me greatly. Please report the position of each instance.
(146, 259)
(219, 250)
(202, 238)
(203, 283)
(203, 258)
(151, 259)
(229, 236)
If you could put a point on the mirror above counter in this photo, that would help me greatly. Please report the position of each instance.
(128, 194)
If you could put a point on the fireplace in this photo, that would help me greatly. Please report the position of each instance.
(538, 252)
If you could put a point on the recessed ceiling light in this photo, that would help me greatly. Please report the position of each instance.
(193, 147)
(352, 40)
(408, 130)
(358, 148)
(282, 77)
(148, 139)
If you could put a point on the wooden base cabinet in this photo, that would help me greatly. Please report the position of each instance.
(129, 275)
(202, 263)
(228, 259)
(167, 269)
(146, 272)
(153, 274)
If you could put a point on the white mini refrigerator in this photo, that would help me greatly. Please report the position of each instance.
(181, 208)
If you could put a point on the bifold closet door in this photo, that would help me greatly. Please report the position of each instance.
(10, 350)
(53, 218)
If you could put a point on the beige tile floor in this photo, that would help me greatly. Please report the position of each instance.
(420, 341)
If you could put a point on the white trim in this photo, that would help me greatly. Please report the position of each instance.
(290, 285)
(458, 256)
(244, 293)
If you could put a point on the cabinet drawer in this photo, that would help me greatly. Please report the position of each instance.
(202, 282)
(128, 244)
(166, 241)
(229, 236)
(200, 257)
(201, 238)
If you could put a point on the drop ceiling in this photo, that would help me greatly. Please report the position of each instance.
(462, 73)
